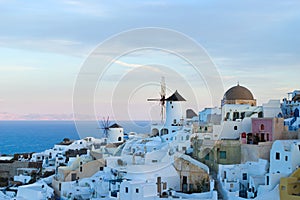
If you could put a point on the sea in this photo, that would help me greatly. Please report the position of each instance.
(37, 136)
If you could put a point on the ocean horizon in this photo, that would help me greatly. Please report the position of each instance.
(36, 136)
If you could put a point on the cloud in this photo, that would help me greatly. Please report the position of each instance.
(17, 68)
(54, 45)
(88, 8)
(133, 65)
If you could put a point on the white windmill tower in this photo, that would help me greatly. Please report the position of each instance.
(173, 109)
(170, 109)
(113, 133)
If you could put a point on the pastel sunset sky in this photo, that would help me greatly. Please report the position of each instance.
(43, 45)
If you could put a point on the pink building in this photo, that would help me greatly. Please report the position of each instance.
(263, 130)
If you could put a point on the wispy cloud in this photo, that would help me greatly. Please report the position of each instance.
(17, 68)
(54, 45)
(134, 65)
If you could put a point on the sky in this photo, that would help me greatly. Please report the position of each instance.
(44, 44)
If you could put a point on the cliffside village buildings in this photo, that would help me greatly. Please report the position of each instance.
(236, 151)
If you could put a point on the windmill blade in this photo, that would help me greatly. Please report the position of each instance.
(163, 91)
(105, 126)
(107, 123)
(162, 99)
(163, 96)
(153, 99)
(163, 87)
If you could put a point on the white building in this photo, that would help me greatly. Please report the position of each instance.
(290, 103)
(36, 191)
(174, 116)
(236, 179)
(208, 112)
(238, 107)
(115, 134)
(284, 159)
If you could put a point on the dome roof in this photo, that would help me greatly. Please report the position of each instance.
(238, 93)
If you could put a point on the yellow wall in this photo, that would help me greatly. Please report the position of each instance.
(290, 187)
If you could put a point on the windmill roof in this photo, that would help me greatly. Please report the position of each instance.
(115, 125)
(175, 97)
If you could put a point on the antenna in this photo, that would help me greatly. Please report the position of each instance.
(162, 99)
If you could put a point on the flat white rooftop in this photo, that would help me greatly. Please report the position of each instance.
(5, 158)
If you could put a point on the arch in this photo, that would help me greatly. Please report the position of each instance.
(187, 137)
(262, 127)
(155, 132)
(164, 131)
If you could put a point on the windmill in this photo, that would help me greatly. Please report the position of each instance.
(105, 126)
(162, 99)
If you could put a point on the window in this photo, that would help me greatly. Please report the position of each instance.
(268, 180)
(80, 169)
(126, 189)
(136, 190)
(187, 137)
(262, 127)
(73, 176)
(59, 187)
(242, 115)
(277, 156)
(101, 168)
(227, 116)
(299, 147)
(207, 156)
(164, 185)
(245, 176)
(164, 131)
(236, 115)
(235, 128)
(286, 158)
(222, 154)
(119, 139)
